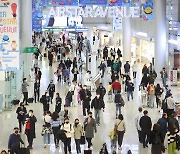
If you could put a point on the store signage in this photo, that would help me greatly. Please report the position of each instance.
(30, 50)
(89, 11)
(93, 2)
(9, 35)
(148, 10)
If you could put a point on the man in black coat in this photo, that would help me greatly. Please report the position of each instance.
(45, 101)
(98, 104)
(30, 128)
(145, 124)
(21, 112)
(51, 89)
(85, 96)
(101, 90)
(39, 75)
(36, 90)
(50, 57)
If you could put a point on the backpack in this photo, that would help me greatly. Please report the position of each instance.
(156, 139)
(119, 100)
(152, 90)
(164, 104)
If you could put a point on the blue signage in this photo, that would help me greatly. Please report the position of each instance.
(59, 2)
(93, 2)
(148, 10)
(36, 16)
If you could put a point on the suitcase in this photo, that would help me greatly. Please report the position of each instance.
(30, 100)
(45, 55)
(87, 151)
(24, 150)
(15, 102)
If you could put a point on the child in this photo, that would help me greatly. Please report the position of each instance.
(110, 92)
(114, 137)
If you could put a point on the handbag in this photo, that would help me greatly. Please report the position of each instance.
(82, 140)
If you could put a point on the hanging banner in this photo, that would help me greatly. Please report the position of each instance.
(58, 2)
(9, 35)
(117, 23)
(36, 16)
(148, 10)
(93, 2)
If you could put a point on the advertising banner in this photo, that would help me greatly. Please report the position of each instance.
(58, 2)
(9, 35)
(117, 23)
(36, 16)
(148, 10)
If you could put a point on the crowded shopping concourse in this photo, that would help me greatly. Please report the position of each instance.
(89, 76)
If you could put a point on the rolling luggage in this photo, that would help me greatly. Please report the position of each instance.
(30, 100)
(15, 102)
(24, 150)
(87, 151)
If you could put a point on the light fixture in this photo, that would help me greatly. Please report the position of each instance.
(141, 34)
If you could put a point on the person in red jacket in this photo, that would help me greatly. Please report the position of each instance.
(116, 86)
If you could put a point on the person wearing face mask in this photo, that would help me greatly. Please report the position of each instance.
(58, 103)
(25, 91)
(85, 96)
(69, 130)
(90, 128)
(98, 104)
(36, 90)
(51, 89)
(21, 112)
(45, 101)
(78, 130)
(14, 142)
(30, 128)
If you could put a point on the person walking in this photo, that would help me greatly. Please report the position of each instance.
(58, 103)
(25, 91)
(116, 86)
(98, 104)
(75, 72)
(127, 67)
(14, 142)
(121, 129)
(85, 96)
(130, 89)
(47, 128)
(135, 69)
(45, 101)
(78, 132)
(102, 68)
(119, 101)
(158, 93)
(55, 125)
(113, 134)
(36, 91)
(30, 128)
(51, 89)
(50, 57)
(145, 124)
(137, 124)
(163, 123)
(170, 104)
(68, 128)
(151, 94)
(39, 75)
(156, 139)
(101, 90)
(21, 112)
(90, 128)
(164, 76)
(171, 136)
(59, 74)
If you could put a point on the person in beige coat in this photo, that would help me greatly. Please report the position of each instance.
(78, 131)
(121, 129)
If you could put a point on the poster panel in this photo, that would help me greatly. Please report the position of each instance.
(9, 35)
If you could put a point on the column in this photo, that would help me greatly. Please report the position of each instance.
(126, 39)
(26, 34)
(160, 35)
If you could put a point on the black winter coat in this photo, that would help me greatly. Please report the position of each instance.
(33, 120)
(97, 103)
(19, 116)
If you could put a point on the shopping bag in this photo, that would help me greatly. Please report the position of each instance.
(82, 140)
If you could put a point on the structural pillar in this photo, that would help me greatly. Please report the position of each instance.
(160, 35)
(26, 34)
(126, 39)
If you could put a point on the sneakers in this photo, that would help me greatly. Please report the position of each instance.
(45, 145)
(119, 148)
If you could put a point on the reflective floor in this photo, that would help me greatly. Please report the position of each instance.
(8, 118)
